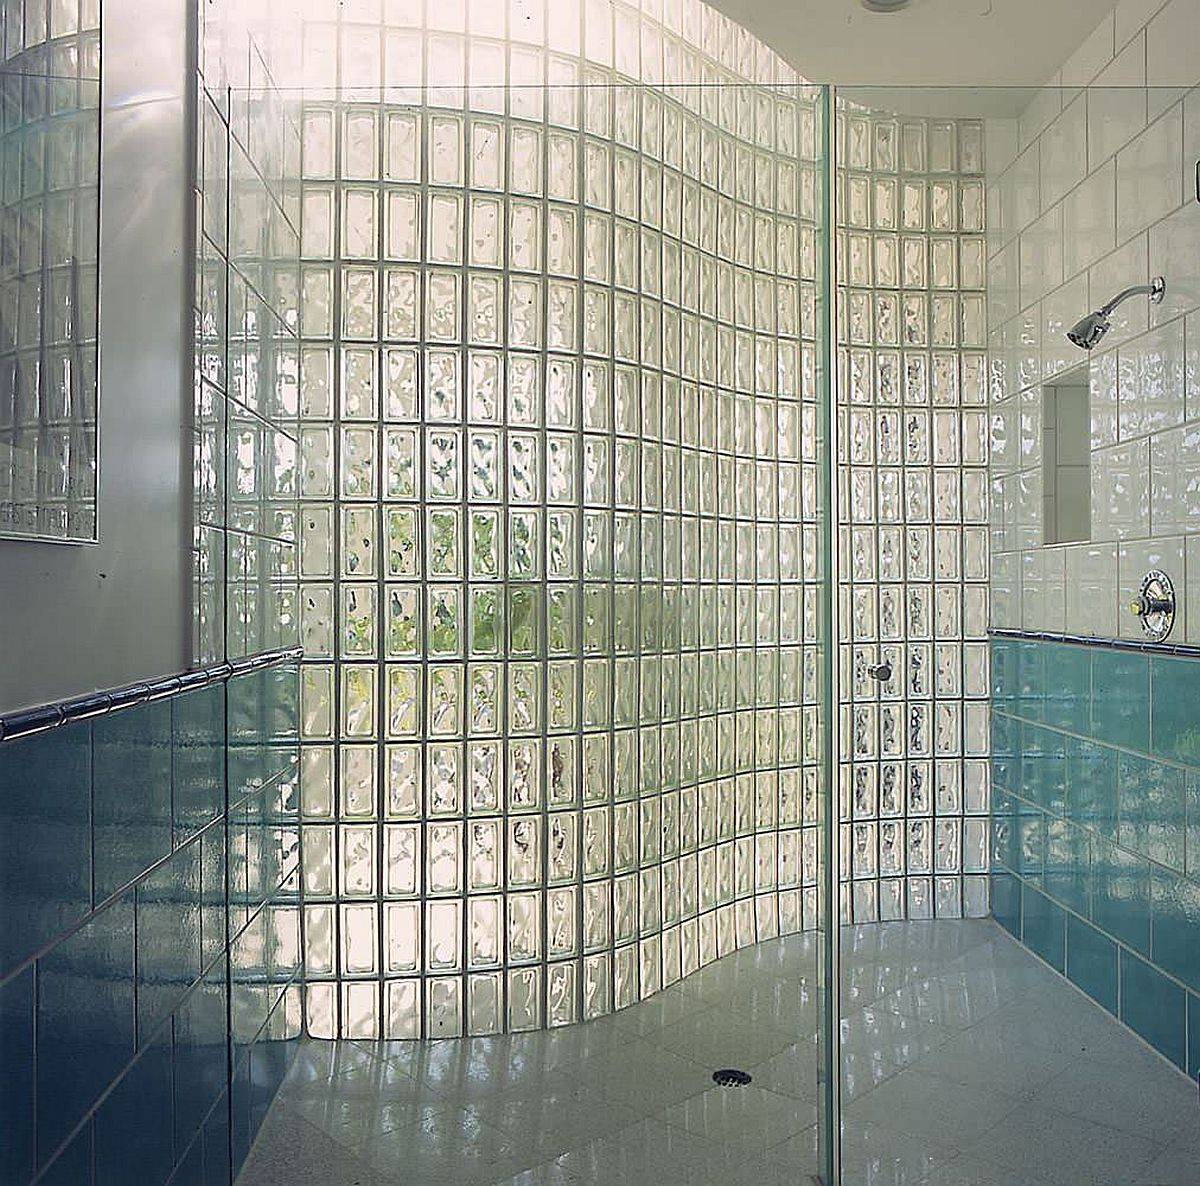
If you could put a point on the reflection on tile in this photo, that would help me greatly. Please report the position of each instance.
(745, 1120)
(872, 1153)
(648, 1151)
(45, 838)
(1027, 1061)
(132, 789)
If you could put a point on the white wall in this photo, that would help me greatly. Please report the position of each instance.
(1090, 190)
(78, 618)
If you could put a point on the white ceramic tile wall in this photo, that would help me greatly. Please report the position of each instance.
(1091, 189)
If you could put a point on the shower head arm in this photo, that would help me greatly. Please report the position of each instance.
(1155, 290)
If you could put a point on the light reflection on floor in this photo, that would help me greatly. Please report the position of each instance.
(965, 1061)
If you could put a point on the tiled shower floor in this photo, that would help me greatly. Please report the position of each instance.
(966, 1063)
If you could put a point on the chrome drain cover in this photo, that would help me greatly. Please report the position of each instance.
(730, 1077)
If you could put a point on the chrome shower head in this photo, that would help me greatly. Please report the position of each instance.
(1087, 331)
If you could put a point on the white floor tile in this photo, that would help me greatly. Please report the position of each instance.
(964, 1062)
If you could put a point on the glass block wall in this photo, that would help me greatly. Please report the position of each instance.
(50, 217)
(559, 530)
(246, 450)
(912, 473)
(247, 374)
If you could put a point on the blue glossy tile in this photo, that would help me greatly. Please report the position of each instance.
(1121, 895)
(1003, 662)
(271, 845)
(1031, 842)
(1193, 1024)
(239, 1113)
(168, 936)
(200, 1055)
(80, 1051)
(214, 914)
(1006, 901)
(1092, 786)
(1068, 873)
(73, 1166)
(1006, 752)
(1191, 797)
(263, 729)
(251, 962)
(237, 860)
(189, 1169)
(1150, 809)
(154, 777)
(1175, 709)
(1092, 962)
(1068, 688)
(198, 738)
(1043, 927)
(270, 1060)
(45, 838)
(1175, 936)
(1004, 832)
(16, 1078)
(1154, 1007)
(1031, 679)
(1121, 698)
(132, 793)
(216, 1141)
(134, 1141)
(1044, 768)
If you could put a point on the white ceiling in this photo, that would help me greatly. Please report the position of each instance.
(978, 43)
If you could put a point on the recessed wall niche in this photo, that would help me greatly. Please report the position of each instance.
(1066, 459)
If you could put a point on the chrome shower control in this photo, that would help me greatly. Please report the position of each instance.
(881, 671)
(1155, 605)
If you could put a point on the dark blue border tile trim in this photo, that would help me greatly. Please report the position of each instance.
(94, 704)
(1180, 649)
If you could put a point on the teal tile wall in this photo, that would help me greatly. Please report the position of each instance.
(149, 936)
(1095, 844)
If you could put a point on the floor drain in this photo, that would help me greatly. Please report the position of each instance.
(730, 1077)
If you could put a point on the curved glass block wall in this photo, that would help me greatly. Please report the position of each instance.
(912, 469)
(560, 511)
(49, 295)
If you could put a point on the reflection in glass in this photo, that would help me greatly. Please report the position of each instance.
(49, 218)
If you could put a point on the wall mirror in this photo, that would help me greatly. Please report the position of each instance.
(49, 292)
(1066, 458)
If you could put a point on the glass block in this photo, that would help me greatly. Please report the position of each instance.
(554, 421)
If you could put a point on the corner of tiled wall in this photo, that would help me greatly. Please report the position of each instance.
(1092, 188)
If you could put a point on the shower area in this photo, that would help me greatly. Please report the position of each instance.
(699, 562)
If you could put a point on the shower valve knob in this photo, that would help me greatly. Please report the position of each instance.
(881, 672)
(1155, 605)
